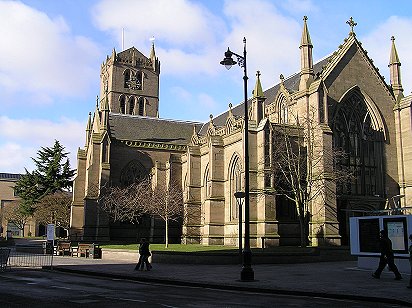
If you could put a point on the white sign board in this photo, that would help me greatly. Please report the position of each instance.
(50, 232)
(364, 234)
(396, 233)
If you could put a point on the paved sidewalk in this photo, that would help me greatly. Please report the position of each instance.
(323, 279)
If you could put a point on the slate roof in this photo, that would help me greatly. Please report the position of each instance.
(133, 127)
(9, 176)
(291, 83)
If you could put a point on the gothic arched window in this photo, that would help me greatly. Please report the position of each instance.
(133, 172)
(139, 81)
(141, 106)
(131, 105)
(206, 184)
(235, 182)
(122, 104)
(353, 133)
(283, 115)
(126, 74)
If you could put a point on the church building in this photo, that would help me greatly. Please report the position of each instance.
(351, 106)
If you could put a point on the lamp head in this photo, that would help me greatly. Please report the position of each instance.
(228, 62)
(239, 194)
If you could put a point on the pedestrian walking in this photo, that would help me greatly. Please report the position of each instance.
(144, 254)
(410, 261)
(387, 257)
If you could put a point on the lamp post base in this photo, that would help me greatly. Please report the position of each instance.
(247, 274)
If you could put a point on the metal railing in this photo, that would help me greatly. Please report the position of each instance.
(27, 257)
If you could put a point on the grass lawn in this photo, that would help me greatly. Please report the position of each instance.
(172, 247)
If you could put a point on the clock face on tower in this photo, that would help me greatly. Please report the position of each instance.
(134, 84)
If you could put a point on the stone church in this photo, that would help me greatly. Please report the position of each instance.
(354, 109)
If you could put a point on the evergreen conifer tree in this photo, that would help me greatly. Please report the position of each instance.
(52, 174)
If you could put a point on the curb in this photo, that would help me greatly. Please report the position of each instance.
(233, 287)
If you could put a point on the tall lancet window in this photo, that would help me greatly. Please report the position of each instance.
(131, 105)
(122, 104)
(141, 106)
(283, 111)
(235, 180)
(206, 184)
(126, 74)
(353, 133)
(139, 81)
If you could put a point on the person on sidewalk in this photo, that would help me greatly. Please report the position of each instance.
(387, 257)
(410, 261)
(144, 254)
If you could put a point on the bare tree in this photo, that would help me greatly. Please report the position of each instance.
(299, 165)
(131, 202)
(126, 203)
(54, 209)
(167, 203)
(14, 213)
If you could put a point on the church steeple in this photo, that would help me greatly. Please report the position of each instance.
(88, 129)
(258, 99)
(395, 71)
(105, 110)
(153, 58)
(152, 50)
(306, 59)
(258, 92)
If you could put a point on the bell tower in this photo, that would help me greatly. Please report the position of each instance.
(130, 81)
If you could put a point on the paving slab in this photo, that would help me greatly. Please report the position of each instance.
(324, 279)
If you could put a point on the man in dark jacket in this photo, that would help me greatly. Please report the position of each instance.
(387, 258)
(144, 254)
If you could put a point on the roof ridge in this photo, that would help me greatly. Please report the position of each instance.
(155, 119)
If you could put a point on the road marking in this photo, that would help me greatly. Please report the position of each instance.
(168, 306)
(126, 299)
(59, 287)
(84, 301)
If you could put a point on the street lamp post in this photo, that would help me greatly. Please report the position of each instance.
(239, 195)
(247, 273)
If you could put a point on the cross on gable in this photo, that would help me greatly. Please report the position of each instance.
(351, 24)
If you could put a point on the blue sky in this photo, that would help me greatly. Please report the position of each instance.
(51, 53)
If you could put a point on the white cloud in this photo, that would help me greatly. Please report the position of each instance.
(41, 56)
(272, 39)
(22, 138)
(187, 34)
(378, 44)
(177, 62)
(191, 40)
(175, 22)
(13, 158)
